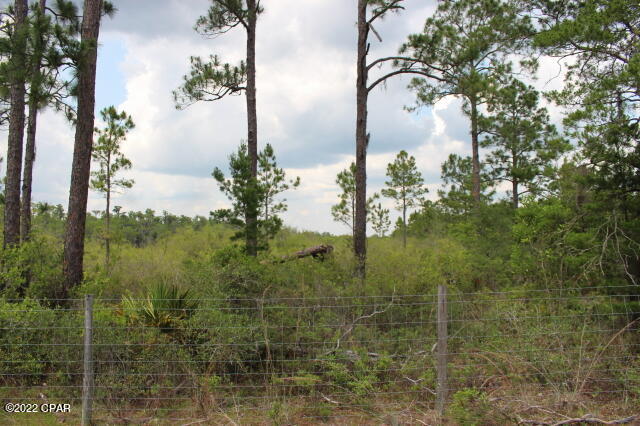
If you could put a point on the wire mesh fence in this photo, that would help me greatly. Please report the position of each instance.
(341, 359)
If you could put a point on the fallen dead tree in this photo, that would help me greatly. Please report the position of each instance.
(317, 252)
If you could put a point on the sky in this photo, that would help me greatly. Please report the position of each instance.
(306, 55)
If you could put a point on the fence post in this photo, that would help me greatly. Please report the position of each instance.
(87, 378)
(443, 386)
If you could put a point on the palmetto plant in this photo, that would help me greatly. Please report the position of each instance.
(164, 307)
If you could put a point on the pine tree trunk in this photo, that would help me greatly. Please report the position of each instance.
(83, 144)
(107, 215)
(360, 231)
(251, 218)
(514, 181)
(30, 149)
(29, 159)
(16, 127)
(404, 224)
(475, 155)
(107, 239)
(353, 218)
(25, 207)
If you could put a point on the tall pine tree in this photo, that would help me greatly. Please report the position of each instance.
(464, 46)
(16, 78)
(81, 164)
(525, 144)
(106, 153)
(52, 43)
(369, 12)
(213, 80)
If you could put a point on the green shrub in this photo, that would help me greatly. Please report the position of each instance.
(470, 407)
(32, 269)
(39, 344)
(164, 307)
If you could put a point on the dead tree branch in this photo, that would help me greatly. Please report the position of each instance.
(586, 419)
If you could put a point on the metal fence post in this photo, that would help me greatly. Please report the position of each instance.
(87, 378)
(443, 386)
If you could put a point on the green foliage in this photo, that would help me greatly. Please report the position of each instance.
(209, 81)
(470, 407)
(223, 15)
(569, 246)
(463, 51)
(380, 221)
(51, 43)
(345, 211)
(241, 276)
(241, 189)
(448, 262)
(601, 86)
(276, 413)
(140, 228)
(213, 80)
(31, 269)
(359, 378)
(165, 307)
(456, 197)
(405, 185)
(216, 347)
(464, 46)
(248, 194)
(13, 50)
(382, 7)
(51, 40)
(425, 221)
(272, 182)
(106, 152)
(23, 350)
(525, 144)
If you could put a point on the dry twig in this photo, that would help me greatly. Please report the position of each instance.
(356, 321)
(587, 418)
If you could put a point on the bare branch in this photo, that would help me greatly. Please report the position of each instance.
(375, 33)
(403, 71)
(587, 418)
(357, 320)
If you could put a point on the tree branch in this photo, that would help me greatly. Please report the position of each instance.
(360, 318)
(390, 58)
(403, 71)
(394, 5)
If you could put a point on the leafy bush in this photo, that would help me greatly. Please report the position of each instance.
(33, 346)
(31, 269)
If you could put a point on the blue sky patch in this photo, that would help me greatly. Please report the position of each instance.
(110, 80)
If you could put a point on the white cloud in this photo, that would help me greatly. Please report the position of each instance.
(306, 108)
